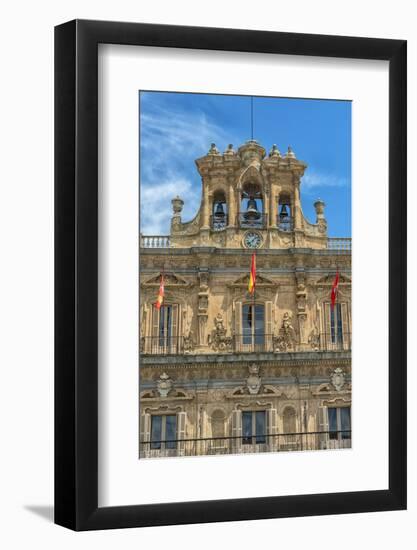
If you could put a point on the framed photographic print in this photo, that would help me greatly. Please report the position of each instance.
(230, 275)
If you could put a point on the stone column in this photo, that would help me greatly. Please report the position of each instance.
(297, 203)
(206, 205)
(272, 208)
(231, 207)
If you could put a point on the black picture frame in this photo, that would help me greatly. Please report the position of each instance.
(76, 272)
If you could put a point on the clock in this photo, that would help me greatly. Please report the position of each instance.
(252, 239)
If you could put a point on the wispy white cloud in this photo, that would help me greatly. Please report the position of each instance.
(171, 139)
(314, 180)
(156, 206)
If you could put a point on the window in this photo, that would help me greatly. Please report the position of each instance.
(339, 422)
(253, 324)
(253, 427)
(165, 327)
(163, 431)
(336, 327)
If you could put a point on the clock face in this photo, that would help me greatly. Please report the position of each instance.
(252, 240)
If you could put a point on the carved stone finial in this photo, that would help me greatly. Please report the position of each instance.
(274, 152)
(230, 150)
(290, 153)
(213, 150)
(164, 384)
(320, 218)
(319, 207)
(177, 205)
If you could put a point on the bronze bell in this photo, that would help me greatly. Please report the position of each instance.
(252, 213)
(219, 212)
(284, 212)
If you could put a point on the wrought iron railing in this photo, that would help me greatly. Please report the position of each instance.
(285, 224)
(335, 341)
(246, 343)
(218, 223)
(154, 241)
(309, 441)
(253, 343)
(254, 223)
(339, 243)
(162, 345)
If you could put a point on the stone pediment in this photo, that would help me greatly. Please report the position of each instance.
(328, 280)
(261, 281)
(170, 279)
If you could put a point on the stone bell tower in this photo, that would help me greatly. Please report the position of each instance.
(249, 200)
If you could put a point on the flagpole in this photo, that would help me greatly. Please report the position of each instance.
(251, 117)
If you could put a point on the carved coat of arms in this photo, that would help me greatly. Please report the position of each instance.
(338, 378)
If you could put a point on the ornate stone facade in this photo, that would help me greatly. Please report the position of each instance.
(214, 357)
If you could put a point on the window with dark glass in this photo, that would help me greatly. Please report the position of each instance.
(339, 422)
(253, 427)
(165, 325)
(253, 324)
(163, 431)
(336, 327)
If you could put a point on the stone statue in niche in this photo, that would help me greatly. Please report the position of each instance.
(314, 339)
(286, 337)
(218, 340)
(189, 342)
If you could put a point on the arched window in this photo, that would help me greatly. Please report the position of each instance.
(285, 218)
(252, 206)
(219, 215)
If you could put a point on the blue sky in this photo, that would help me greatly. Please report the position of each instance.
(177, 128)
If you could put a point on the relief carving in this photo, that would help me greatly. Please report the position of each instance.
(286, 338)
(218, 340)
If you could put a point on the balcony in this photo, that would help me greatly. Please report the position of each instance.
(162, 345)
(339, 243)
(245, 343)
(155, 241)
(309, 441)
(258, 223)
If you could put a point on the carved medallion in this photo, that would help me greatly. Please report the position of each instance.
(337, 378)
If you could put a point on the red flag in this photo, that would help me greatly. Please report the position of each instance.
(335, 287)
(252, 276)
(161, 293)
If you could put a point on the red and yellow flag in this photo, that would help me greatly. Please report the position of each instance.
(335, 288)
(161, 293)
(252, 276)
